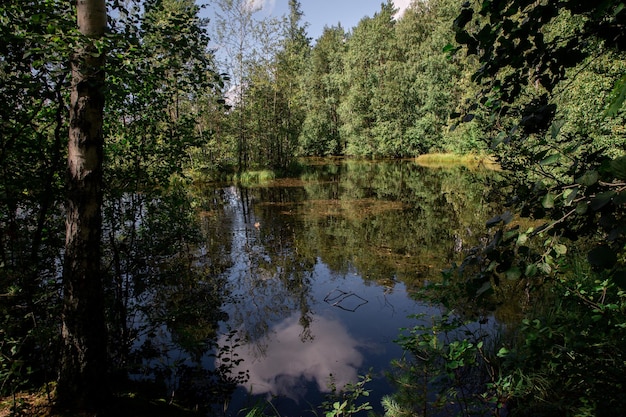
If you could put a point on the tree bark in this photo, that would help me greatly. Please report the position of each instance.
(83, 374)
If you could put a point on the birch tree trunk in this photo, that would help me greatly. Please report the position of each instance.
(82, 379)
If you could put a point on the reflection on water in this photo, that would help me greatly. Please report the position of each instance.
(321, 269)
(290, 363)
(295, 358)
(318, 272)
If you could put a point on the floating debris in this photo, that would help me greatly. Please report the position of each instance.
(348, 301)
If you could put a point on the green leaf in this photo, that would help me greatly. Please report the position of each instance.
(502, 352)
(560, 249)
(513, 274)
(555, 128)
(581, 208)
(548, 201)
(544, 267)
(450, 48)
(569, 195)
(510, 234)
(618, 96)
(498, 139)
(531, 270)
(602, 199)
(618, 168)
(620, 198)
(588, 178)
(550, 159)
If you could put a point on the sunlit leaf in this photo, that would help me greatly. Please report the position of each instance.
(560, 249)
(550, 160)
(569, 195)
(548, 201)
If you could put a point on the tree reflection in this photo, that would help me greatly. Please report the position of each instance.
(384, 223)
(165, 291)
(269, 279)
(390, 220)
(186, 261)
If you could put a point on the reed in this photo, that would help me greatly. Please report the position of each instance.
(442, 160)
(255, 177)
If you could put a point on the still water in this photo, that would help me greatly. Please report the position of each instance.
(322, 269)
(294, 286)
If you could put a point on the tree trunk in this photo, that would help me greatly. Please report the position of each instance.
(83, 375)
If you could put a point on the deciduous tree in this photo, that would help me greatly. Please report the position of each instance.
(83, 375)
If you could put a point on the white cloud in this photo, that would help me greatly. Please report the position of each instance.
(265, 5)
(287, 360)
(401, 5)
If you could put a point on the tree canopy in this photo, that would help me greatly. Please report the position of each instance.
(537, 85)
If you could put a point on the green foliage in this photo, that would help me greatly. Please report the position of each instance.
(547, 75)
(37, 38)
(571, 354)
(566, 203)
(323, 84)
(449, 365)
(370, 54)
(158, 73)
(347, 401)
(153, 72)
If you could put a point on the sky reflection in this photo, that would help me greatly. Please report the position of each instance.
(289, 363)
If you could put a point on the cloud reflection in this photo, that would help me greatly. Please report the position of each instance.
(289, 363)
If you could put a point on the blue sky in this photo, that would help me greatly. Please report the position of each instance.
(320, 13)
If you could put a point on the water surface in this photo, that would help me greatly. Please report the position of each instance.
(321, 270)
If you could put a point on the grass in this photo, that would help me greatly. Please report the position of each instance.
(256, 177)
(443, 160)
